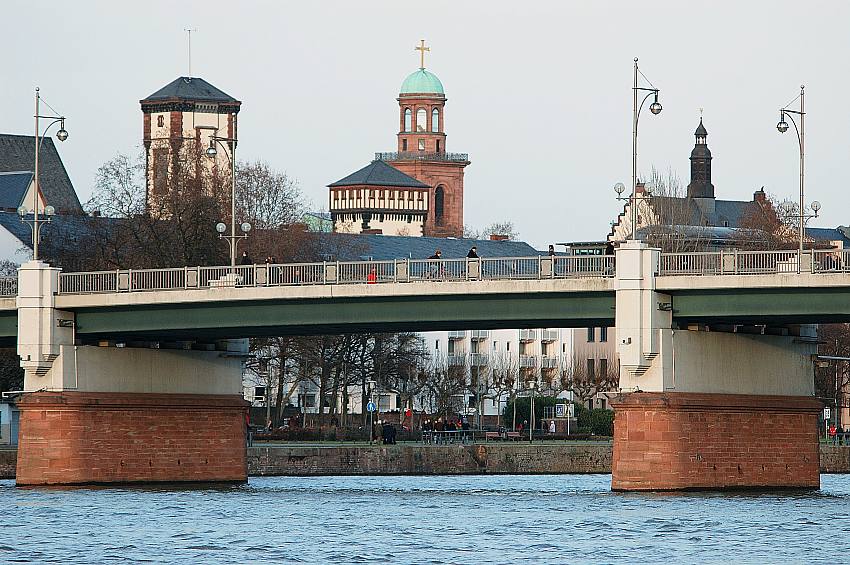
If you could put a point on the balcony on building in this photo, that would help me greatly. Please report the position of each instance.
(422, 156)
(457, 360)
(527, 335)
(478, 359)
(548, 362)
(480, 335)
(549, 335)
(527, 361)
(455, 334)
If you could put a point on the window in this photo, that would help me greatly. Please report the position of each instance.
(591, 369)
(421, 120)
(259, 393)
(508, 346)
(408, 116)
(422, 145)
(435, 120)
(603, 334)
(404, 145)
(495, 345)
(603, 367)
(439, 205)
(563, 348)
(438, 146)
(437, 345)
(160, 121)
(590, 338)
(474, 346)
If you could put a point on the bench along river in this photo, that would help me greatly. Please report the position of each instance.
(434, 519)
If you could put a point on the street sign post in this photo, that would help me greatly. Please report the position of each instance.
(371, 407)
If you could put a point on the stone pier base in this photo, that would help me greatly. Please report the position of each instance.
(94, 438)
(682, 441)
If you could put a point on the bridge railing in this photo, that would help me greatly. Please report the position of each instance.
(736, 262)
(8, 286)
(337, 272)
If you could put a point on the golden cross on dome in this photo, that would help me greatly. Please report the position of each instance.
(421, 50)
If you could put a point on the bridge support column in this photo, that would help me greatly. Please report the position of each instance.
(704, 409)
(122, 414)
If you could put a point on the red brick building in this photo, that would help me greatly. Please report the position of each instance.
(422, 155)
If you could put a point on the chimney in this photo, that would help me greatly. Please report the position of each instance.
(373, 231)
(498, 237)
(759, 196)
(640, 188)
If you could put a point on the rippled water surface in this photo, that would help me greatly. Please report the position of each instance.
(399, 520)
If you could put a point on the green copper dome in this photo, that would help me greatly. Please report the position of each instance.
(422, 82)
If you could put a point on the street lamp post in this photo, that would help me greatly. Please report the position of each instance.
(782, 126)
(232, 239)
(531, 385)
(61, 135)
(655, 107)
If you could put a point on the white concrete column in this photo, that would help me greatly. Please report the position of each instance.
(42, 329)
(641, 317)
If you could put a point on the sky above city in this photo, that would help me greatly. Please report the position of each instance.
(539, 93)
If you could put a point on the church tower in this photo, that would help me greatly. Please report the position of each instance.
(422, 152)
(178, 120)
(700, 185)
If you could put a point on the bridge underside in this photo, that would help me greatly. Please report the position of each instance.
(216, 320)
(775, 307)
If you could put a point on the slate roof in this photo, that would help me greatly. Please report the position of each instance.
(379, 173)
(17, 154)
(841, 233)
(13, 188)
(189, 88)
(357, 247)
(71, 228)
(727, 213)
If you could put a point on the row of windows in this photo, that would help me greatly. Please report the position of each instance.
(421, 145)
(591, 335)
(421, 120)
(391, 194)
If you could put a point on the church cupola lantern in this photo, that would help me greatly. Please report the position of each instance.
(700, 185)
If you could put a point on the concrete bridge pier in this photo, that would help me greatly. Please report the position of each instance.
(703, 409)
(114, 414)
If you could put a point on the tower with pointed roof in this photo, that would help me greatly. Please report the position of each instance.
(700, 185)
(181, 117)
(422, 154)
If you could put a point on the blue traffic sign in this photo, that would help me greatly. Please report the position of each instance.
(371, 407)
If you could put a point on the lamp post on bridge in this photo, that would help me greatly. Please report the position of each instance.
(232, 239)
(49, 211)
(782, 126)
(655, 107)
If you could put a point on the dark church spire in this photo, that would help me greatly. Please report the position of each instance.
(700, 186)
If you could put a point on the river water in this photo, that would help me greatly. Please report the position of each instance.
(400, 520)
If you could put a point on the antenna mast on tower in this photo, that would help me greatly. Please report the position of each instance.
(189, 32)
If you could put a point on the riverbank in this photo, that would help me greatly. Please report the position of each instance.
(417, 459)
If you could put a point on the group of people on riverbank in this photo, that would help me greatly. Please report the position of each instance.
(446, 430)
(384, 432)
(839, 436)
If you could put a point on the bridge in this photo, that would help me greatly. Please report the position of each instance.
(707, 341)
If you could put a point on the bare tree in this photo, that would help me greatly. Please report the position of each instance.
(832, 381)
(266, 198)
(444, 384)
(505, 228)
(504, 381)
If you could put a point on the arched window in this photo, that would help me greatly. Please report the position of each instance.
(439, 205)
(435, 120)
(421, 120)
(408, 116)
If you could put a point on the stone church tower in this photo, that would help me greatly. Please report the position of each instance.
(181, 117)
(422, 151)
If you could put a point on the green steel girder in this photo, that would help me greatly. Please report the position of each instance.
(768, 306)
(221, 320)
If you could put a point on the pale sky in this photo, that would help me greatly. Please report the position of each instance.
(539, 93)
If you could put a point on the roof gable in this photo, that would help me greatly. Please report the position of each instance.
(13, 188)
(17, 154)
(190, 88)
(379, 173)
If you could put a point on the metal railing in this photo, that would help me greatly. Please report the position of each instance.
(479, 359)
(336, 272)
(527, 335)
(526, 361)
(548, 362)
(456, 359)
(736, 262)
(457, 334)
(421, 156)
(8, 286)
(479, 335)
(549, 335)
